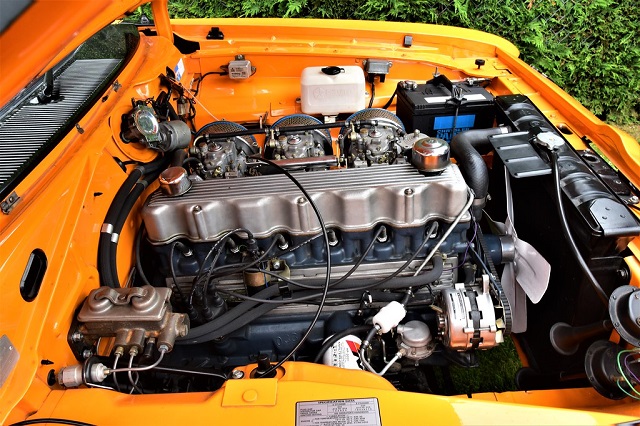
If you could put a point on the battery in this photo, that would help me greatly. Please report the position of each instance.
(442, 109)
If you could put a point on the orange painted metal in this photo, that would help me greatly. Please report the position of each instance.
(273, 401)
(64, 201)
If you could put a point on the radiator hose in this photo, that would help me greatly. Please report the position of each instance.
(465, 148)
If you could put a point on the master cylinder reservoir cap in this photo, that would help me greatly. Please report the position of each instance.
(430, 154)
(174, 181)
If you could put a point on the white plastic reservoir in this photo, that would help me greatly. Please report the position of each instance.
(332, 90)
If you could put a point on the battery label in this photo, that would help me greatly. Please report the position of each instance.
(475, 97)
(339, 412)
(443, 126)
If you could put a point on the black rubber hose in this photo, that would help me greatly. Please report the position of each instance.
(465, 148)
(128, 204)
(406, 297)
(222, 330)
(333, 339)
(124, 212)
(240, 322)
(154, 166)
(178, 158)
(105, 273)
(252, 309)
(227, 317)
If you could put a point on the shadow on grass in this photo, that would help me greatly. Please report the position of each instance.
(495, 373)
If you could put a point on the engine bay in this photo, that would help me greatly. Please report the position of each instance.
(356, 237)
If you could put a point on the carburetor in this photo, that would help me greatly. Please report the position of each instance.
(221, 156)
(294, 137)
(220, 159)
(372, 136)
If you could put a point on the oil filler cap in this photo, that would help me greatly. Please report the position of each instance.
(174, 181)
(430, 154)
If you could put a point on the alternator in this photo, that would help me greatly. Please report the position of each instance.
(467, 318)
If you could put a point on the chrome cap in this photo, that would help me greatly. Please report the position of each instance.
(430, 154)
(174, 181)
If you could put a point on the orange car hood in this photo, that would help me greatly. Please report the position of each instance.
(46, 29)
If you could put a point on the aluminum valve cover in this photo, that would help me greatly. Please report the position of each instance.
(349, 199)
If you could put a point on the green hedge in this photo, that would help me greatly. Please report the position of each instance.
(588, 47)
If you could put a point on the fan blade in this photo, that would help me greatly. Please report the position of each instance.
(532, 271)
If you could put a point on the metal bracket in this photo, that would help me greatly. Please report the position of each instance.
(9, 203)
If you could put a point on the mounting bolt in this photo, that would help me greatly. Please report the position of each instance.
(87, 353)
(77, 337)
(302, 200)
(633, 200)
(408, 191)
(237, 374)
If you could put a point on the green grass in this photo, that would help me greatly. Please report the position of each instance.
(496, 372)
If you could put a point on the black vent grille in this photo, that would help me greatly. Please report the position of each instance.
(30, 131)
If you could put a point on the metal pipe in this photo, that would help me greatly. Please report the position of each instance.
(324, 160)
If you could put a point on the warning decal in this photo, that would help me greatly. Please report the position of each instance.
(338, 412)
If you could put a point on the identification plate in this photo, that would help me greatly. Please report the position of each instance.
(339, 412)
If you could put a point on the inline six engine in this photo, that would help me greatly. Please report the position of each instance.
(377, 212)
